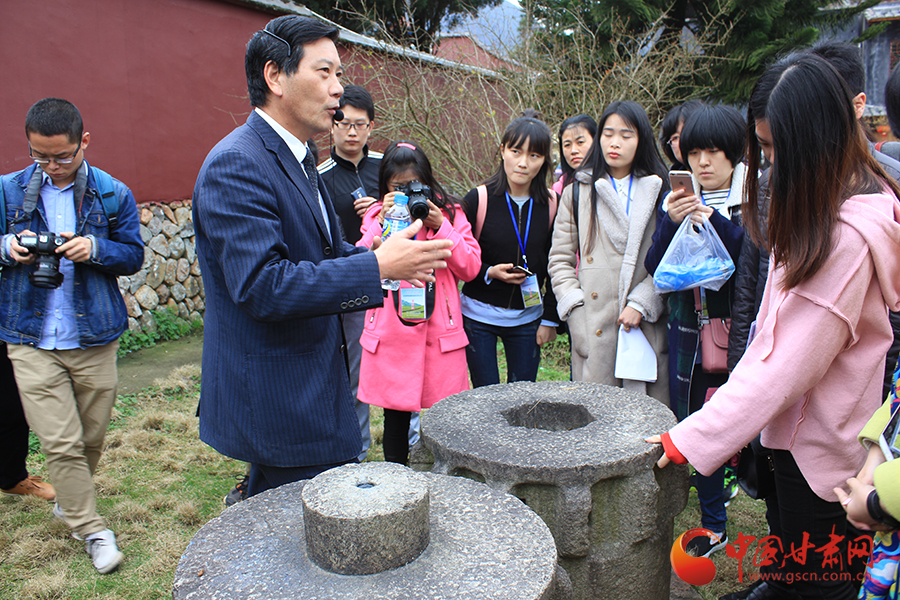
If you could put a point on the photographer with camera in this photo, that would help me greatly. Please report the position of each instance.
(414, 346)
(70, 231)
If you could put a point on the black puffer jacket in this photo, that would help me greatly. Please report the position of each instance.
(750, 283)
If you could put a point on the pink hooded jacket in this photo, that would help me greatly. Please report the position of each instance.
(411, 368)
(812, 376)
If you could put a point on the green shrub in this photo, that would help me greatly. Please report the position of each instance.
(169, 326)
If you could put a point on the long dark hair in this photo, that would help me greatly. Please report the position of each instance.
(590, 125)
(408, 156)
(821, 158)
(646, 157)
(527, 129)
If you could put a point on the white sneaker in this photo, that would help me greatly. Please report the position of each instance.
(59, 514)
(103, 550)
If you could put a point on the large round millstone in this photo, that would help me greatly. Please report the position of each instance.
(483, 544)
(365, 518)
(575, 453)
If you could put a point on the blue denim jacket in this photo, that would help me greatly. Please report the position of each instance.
(99, 308)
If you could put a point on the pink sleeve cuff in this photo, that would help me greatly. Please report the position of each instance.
(671, 451)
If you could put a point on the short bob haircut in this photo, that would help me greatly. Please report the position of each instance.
(294, 33)
(527, 129)
(589, 124)
(54, 116)
(403, 156)
(669, 127)
(647, 160)
(358, 97)
(821, 158)
(720, 127)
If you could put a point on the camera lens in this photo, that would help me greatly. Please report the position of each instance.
(46, 273)
(418, 207)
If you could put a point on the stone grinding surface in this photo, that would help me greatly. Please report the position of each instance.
(484, 545)
(365, 518)
(472, 424)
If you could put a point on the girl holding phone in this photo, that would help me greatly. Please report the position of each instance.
(513, 213)
(712, 144)
(610, 227)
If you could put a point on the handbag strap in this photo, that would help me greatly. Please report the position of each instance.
(701, 306)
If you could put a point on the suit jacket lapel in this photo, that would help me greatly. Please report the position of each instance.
(291, 167)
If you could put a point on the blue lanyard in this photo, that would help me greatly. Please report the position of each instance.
(522, 244)
(630, 181)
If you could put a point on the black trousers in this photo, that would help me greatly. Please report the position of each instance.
(396, 436)
(801, 519)
(13, 427)
(266, 477)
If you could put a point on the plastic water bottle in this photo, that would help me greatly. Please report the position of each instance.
(396, 219)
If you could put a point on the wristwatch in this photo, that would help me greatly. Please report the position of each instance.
(878, 513)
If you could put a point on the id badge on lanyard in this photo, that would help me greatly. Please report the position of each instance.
(531, 291)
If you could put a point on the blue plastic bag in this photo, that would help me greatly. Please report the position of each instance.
(696, 257)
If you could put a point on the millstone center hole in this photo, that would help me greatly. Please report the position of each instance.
(550, 416)
(365, 485)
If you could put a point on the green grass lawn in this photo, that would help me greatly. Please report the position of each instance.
(158, 484)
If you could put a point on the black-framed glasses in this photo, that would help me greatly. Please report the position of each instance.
(343, 125)
(675, 139)
(59, 161)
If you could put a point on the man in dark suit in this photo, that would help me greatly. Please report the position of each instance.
(277, 274)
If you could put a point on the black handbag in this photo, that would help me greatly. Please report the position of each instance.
(756, 470)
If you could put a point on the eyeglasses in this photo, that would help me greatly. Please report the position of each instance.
(674, 139)
(59, 161)
(357, 126)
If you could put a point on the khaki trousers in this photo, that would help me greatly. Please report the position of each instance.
(68, 397)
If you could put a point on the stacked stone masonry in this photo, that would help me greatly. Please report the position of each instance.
(170, 275)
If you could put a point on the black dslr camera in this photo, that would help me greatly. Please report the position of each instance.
(43, 245)
(419, 195)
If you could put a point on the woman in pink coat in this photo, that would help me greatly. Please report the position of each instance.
(410, 363)
(812, 376)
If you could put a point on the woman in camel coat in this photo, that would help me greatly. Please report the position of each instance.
(597, 261)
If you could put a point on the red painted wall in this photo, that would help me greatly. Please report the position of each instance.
(158, 82)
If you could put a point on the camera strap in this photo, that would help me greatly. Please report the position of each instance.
(33, 191)
(106, 193)
(429, 293)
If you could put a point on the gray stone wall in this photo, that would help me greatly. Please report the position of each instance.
(170, 275)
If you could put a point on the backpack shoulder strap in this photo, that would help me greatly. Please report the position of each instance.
(108, 196)
(482, 210)
(2, 207)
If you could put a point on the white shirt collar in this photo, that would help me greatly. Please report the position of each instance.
(297, 147)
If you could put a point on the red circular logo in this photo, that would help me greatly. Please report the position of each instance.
(694, 570)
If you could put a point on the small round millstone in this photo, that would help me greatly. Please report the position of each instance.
(365, 518)
(485, 545)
